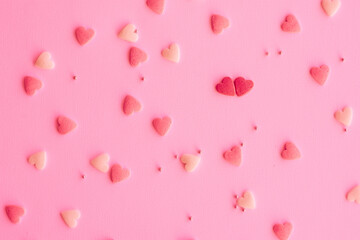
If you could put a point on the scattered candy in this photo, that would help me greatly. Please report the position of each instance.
(131, 105)
(219, 23)
(354, 195)
(290, 24)
(65, 125)
(283, 231)
(290, 151)
(38, 160)
(101, 162)
(161, 125)
(157, 6)
(226, 87)
(31, 85)
(14, 213)
(344, 116)
(233, 155)
(247, 201)
(190, 161)
(136, 56)
(172, 53)
(71, 217)
(330, 7)
(242, 86)
(118, 173)
(44, 61)
(129, 33)
(83, 35)
(320, 74)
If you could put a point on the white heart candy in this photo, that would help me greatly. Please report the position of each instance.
(71, 217)
(44, 61)
(101, 162)
(190, 161)
(129, 33)
(38, 160)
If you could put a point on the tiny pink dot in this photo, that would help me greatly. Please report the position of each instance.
(75, 77)
(190, 218)
(266, 53)
(235, 206)
(280, 52)
(255, 127)
(241, 144)
(199, 151)
(83, 176)
(345, 130)
(342, 59)
(159, 169)
(142, 78)
(175, 156)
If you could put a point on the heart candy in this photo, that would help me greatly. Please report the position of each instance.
(136, 56)
(129, 33)
(65, 125)
(172, 53)
(344, 116)
(38, 160)
(84, 35)
(131, 105)
(330, 7)
(31, 85)
(101, 162)
(71, 217)
(226, 87)
(233, 155)
(247, 201)
(283, 231)
(119, 173)
(161, 125)
(290, 151)
(219, 23)
(14, 213)
(157, 6)
(290, 24)
(44, 61)
(320, 74)
(354, 195)
(190, 161)
(242, 86)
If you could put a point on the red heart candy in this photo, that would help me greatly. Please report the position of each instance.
(14, 213)
(65, 125)
(283, 231)
(226, 87)
(118, 173)
(84, 35)
(290, 24)
(161, 125)
(242, 86)
(233, 155)
(290, 151)
(320, 74)
(131, 105)
(136, 56)
(157, 6)
(31, 85)
(219, 23)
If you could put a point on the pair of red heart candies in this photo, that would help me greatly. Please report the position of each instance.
(230, 87)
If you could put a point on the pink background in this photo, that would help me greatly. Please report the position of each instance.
(285, 104)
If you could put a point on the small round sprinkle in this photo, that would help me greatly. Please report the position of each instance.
(342, 59)
(255, 127)
(175, 156)
(199, 151)
(190, 218)
(75, 77)
(241, 144)
(142, 78)
(266, 53)
(159, 169)
(279, 52)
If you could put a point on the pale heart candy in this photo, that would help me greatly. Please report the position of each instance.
(38, 160)
(44, 61)
(247, 201)
(129, 33)
(330, 6)
(172, 53)
(190, 161)
(344, 116)
(71, 217)
(354, 195)
(101, 162)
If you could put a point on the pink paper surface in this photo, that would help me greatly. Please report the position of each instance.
(285, 104)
